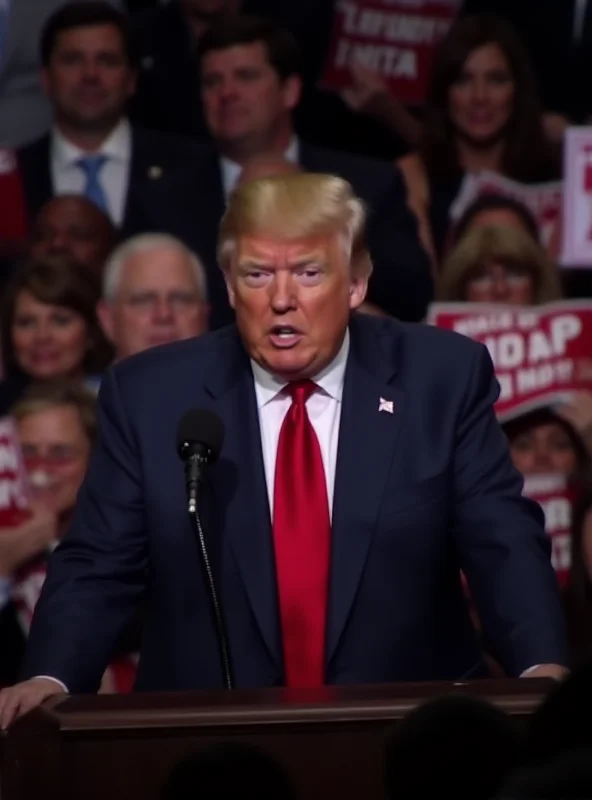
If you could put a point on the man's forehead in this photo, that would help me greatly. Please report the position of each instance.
(237, 55)
(145, 268)
(262, 247)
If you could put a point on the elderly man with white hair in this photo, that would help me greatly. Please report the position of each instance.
(154, 292)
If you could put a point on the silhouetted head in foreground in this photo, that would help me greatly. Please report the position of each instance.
(227, 771)
(453, 745)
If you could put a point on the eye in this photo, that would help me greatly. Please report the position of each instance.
(256, 277)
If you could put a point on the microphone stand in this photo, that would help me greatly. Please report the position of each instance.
(218, 612)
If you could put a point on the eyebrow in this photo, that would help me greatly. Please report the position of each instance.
(303, 261)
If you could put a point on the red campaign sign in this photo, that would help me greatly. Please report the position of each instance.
(541, 354)
(544, 200)
(395, 38)
(556, 497)
(14, 483)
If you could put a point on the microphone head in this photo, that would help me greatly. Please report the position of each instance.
(200, 426)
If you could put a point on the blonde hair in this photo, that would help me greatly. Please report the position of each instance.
(503, 245)
(295, 207)
(54, 394)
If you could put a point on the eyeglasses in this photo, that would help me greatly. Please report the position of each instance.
(54, 456)
(514, 276)
(148, 301)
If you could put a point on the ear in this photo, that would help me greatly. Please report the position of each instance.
(105, 315)
(292, 91)
(357, 291)
(230, 288)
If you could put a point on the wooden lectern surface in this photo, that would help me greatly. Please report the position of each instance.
(330, 740)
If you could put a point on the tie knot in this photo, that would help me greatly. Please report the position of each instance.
(91, 165)
(300, 391)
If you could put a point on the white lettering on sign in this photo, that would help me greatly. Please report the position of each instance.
(473, 327)
(11, 494)
(557, 513)
(510, 350)
(561, 552)
(506, 350)
(9, 461)
(564, 329)
(391, 26)
(387, 60)
(530, 379)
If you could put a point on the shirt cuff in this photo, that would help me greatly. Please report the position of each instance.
(55, 680)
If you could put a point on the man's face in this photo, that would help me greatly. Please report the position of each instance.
(244, 98)
(72, 227)
(292, 301)
(157, 302)
(88, 78)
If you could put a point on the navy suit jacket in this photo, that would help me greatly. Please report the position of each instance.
(419, 494)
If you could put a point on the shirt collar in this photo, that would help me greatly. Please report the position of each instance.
(330, 379)
(117, 146)
(231, 170)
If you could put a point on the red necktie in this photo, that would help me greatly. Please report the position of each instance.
(302, 535)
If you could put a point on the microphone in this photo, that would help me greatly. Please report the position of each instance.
(200, 435)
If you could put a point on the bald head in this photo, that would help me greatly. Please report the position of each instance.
(72, 226)
(267, 166)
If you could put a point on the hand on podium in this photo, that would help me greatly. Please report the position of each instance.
(22, 697)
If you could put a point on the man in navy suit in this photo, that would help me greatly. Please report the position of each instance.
(362, 469)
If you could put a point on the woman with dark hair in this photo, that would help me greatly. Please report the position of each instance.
(494, 210)
(49, 328)
(482, 113)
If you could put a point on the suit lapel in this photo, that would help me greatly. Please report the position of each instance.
(34, 164)
(368, 435)
(244, 497)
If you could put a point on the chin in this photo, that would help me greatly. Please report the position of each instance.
(291, 368)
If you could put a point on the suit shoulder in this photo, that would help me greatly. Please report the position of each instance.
(161, 364)
(171, 145)
(347, 164)
(421, 334)
(33, 150)
(420, 343)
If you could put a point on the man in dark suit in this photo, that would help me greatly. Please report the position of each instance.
(362, 469)
(144, 180)
(250, 88)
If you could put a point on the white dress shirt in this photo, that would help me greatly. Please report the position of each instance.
(231, 170)
(68, 178)
(324, 412)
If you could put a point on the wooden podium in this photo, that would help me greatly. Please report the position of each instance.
(122, 746)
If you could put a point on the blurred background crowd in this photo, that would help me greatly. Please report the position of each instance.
(126, 125)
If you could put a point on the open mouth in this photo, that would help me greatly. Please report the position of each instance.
(284, 336)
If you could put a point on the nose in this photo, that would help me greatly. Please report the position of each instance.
(543, 459)
(43, 332)
(90, 69)
(163, 312)
(227, 90)
(282, 293)
(480, 91)
(500, 288)
(58, 243)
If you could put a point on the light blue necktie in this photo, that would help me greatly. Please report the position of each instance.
(91, 166)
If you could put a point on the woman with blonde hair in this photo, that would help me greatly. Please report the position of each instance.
(498, 265)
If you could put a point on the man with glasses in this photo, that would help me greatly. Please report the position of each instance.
(154, 292)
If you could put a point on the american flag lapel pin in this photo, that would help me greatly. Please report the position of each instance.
(386, 405)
